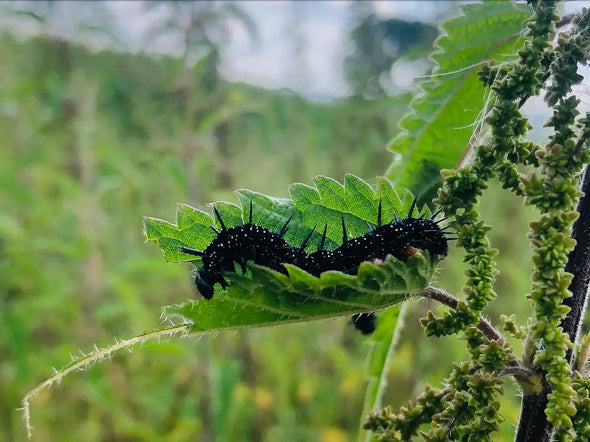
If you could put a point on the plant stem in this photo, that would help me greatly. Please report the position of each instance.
(447, 299)
(579, 265)
(533, 426)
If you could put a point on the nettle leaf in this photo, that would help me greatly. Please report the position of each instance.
(437, 131)
(325, 204)
(192, 229)
(193, 226)
(263, 297)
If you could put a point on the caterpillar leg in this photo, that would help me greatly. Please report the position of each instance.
(205, 284)
(205, 289)
(366, 323)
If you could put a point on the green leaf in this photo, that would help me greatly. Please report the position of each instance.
(437, 130)
(331, 192)
(192, 229)
(305, 195)
(263, 297)
(356, 200)
(310, 208)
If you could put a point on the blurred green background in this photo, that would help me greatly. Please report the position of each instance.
(93, 139)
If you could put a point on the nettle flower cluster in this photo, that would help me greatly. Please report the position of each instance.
(467, 407)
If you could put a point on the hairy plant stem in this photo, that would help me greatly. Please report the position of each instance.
(579, 265)
(533, 425)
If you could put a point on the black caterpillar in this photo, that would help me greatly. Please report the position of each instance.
(249, 242)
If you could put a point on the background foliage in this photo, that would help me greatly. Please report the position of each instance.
(91, 141)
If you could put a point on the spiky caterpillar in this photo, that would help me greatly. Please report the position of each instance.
(249, 242)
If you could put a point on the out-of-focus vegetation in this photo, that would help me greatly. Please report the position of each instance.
(380, 43)
(90, 142)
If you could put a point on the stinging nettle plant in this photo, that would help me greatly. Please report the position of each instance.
(550, 366)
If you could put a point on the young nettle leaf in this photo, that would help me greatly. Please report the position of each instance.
(250, 287)
(192, 229)
(265, 297)
(440, 128)
(356, 200)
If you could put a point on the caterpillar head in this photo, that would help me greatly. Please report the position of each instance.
(425, 234)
